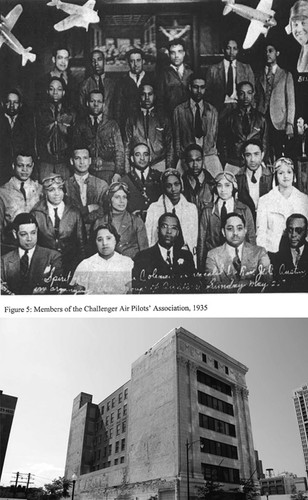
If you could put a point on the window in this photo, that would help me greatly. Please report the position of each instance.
(99, 439)
(94, 441)
(204, 358)
(216, 384)
(124, 410)
(125, 393)
(124, 426)
(119, 413)
(102, 410)
(112, 402)
(116, 461)
(109, 449)
(96, 426)
(111, 433)
(111, 418)
(215, 364)
(107, 420)
(105, 451)
(122, 444)
(217, 448)
(221, 474)
(117, 446)
(215, 403)
(226, 370)
(122, 460)
(120, 397)
(213, 424)
(118, 429)
(108, 406)
(98, 454)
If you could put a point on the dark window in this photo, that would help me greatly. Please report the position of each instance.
(111, 433)
(204, 358)
(105, 451)
(217, 448)
(98, 454)
(107, 420)
(125, 393)
(118, 429)
(102, 410)
(116, 461)
(120, 397)
(122, 460)
(124, 426)
(122, 444)
(216, 384)
(117, 446)
(109, 449)
(226, 370)
(213, 424)
(111, 418)
(124, 410)
(215, 403)
(119, 413)
(112, 402)
(215, 364)
(221, 474)
(108, 406)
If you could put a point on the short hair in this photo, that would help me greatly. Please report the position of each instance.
(57, 79)
(176, 41)
(77, 146)
(56, 49)
(167, 173)
(110, 228)
(297, 216)
(244, 82)
(135, 50)
(135, 144)
(14, 90)
(97, 49)
(254, 142)
(168, 214)
(197, 75)
(22, 152)
(233, 214)
(150, 84)
(24, 218)
(271, 43)
(95, 91)
(227, 40)
(193, 147)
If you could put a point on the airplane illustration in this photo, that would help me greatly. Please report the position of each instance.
(6, 25)
(261, 18)
(79, 15)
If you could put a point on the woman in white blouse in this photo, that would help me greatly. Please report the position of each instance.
(275, 207)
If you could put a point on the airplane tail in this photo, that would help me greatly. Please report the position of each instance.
(28, 56)
(54, 3)
(228, 7)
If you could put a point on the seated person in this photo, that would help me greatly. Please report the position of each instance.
(172, 200)
(237, 265)
(214, 214)
(291, 261)
(106, 272)
(29, 269)
(85, 191)
(130, 228)
(197, 180)
(142, 180)
(164, 267)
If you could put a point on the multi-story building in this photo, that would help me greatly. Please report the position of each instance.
(7, 410)
(300, 397)
(285, 483)
(184, 414)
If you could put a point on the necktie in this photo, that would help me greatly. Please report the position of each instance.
(146, 124)
(169, 261)
(23, 191)
(253, 178)
(95, 123)
(237, 262)
(246, 124)
(198, 185)
(230, 80)
(198, 123)
(223, 213)
(99, 84)
(297, 256)
(56, 111)
(142, 177)
(57, 223)
(24, 266)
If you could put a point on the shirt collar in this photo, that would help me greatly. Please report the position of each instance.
(178, 69)
(145, 172)
(21, 252)
(273, 68)
(144, 111)
(232, 252)
(133, 76)
(227, 63)
(257, 173)
(81, 178)
(193, 104)
(164, 251)
(60, 207)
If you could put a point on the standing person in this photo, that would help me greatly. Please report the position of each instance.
(275, 99)
(103, 138)
(172, 82)
(197, 181)
(222, 78)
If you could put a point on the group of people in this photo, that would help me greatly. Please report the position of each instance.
(173, 184)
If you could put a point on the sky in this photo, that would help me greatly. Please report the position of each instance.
(47, 363)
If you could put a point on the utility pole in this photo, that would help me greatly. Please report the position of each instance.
(21, 479)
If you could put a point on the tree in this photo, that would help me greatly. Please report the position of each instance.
(210, 490)
(250, 489)
(58, 488)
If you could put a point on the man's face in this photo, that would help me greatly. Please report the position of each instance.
(299, 29)
(168, 232)
(141, 157)
(231, 50)
(245, 96)
(194, 162)
(147, 97)
(23, 167)
(81, 161)
(26, 236)
(271, 55)
(135, 63)
(296, 232)
(177, 55)
(55, 195)
(197, 89)
(56, 91)
(253, 157)
(12, 104)
(96, 104)
(173, 188)
(98, 63)
(61, 60)
(234, 231)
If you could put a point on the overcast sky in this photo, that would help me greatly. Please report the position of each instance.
(46, 363)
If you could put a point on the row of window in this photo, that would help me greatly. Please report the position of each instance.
(217, 448)
(220, 474)
(216, 384)
(204, 359)
(215, 403)
(213, 424)
(115, 462)
(120, 428)
(111, 404)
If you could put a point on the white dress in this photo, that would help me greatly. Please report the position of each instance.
(104, 276)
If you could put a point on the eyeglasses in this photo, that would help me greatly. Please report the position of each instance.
(297, 230)
(227, 175)
(115, 186)
(47, 183)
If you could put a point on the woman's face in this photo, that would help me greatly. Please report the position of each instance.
(224, 189)
(173, 189)
(55, 195)
(106, 243)
(119, 201)
(285, 176)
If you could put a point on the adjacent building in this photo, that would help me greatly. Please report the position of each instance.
(300, 397)
(7, 410)
(285, 483)
(184, 414)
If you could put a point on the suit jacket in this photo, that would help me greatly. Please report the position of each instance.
(184, 130)
(90, 84)
(141, 196)
(152, 274)
(282, 100)
(255, 268)
(289, 278)
(159, 138)
(265, 185)
(96, 189)
(171, 89)
(45, 263)
(200, 196)
(216, 81)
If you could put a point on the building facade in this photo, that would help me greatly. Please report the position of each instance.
(300, 398)
(7, 410)
(183, 414)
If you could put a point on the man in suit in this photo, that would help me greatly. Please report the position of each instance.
(195, 121)
(197, 181)
(222, 78)
(275, 99)
(172, 82)
(254, 179)
(243, 123)
(237, 265)
(150, 126)
(30, 269)
(85, 191)
(291, 261)
(164, 267)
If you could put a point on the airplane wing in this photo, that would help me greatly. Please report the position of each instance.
(265, 6)
(2, 40)
(255, 29)
(67, 23)
(90, 4)
(12, 17)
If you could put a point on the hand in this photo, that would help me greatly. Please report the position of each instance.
(93, 207)
(116, 178)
